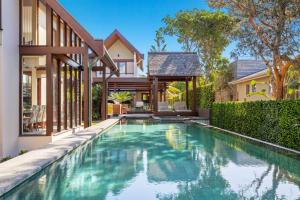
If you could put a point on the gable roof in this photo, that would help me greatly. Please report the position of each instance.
(173, 64)
(257, 75)
(116, 35)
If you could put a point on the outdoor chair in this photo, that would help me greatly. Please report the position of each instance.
(181, 107)
(30, 123)
(125, 108)
(163, 106)
(139, 105)
(41, 117)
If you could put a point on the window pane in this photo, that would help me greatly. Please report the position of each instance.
(34, 95)
(122, 66)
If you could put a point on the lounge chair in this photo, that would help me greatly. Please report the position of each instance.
(163, 106)
(139, 105)
(181, 107)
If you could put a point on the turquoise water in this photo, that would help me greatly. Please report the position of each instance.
(145, 160)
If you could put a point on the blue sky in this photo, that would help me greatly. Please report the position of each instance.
(137, 20)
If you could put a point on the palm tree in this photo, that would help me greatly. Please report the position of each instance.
(160, 43)
(121, 96)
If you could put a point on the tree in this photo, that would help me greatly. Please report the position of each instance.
(206, 32)
(269, 29)
(160, 43)
(121, 97)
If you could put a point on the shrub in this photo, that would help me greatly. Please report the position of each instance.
(205, 96)
(277, 122)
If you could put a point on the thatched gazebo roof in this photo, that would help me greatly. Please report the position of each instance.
(175, 64)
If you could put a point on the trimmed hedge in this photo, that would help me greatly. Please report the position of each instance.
(205, 96)
(277, 122)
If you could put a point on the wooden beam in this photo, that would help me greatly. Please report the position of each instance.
(49, 95)
(80, 100)
(65, 97)
(43, 50)
(80, 31)
(86, 88)
(187, 92)
(194, 95)
(75, 97)
(58, 96)
(71, 96)
(155, 85)
(104, 93)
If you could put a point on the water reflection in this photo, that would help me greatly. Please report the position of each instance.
(145, 160)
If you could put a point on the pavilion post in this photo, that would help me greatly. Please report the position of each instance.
(49, 95)
(86, 115)
(187, 92)
(155, 84)
(104, 94)
(65, 96)
(194, 95)
(58, 96)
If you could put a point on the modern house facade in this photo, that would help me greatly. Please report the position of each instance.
(45, 73)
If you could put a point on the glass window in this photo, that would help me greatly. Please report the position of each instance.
(247, 89)
(29, 22)
(254, 88)
(34, 95)
(42, 24)
(122, 67)
(130, 68)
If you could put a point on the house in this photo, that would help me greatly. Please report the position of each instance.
(240, 88)
(129, 61)
(44, 73)
(254, 87)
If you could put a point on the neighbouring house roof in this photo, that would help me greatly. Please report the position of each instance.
(242, 68)
(257, 75)
(116, 35)
(173, 64)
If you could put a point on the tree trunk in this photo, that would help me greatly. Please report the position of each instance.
(279, 89)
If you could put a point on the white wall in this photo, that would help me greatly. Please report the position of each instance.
(9, 79)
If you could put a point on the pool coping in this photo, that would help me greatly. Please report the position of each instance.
(275, 147)
(17, 170)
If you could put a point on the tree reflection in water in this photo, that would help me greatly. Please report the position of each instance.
(142, 159)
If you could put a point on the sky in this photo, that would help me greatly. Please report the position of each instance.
(137, 20)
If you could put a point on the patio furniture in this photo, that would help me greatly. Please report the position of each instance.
(163, 106)
(125, 108)
(41, 118)
(117, 109)
(29, 123)
(139, 105)
(181, 107)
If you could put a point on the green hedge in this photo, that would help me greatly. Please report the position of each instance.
(205, 96)
(277, 122)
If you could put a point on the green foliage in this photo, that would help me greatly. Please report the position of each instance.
(5, 159)
(208, 33)
(205, 96)
(160, 43)
(23, 151)
(277, 122)
(96, 98)
(121, 97)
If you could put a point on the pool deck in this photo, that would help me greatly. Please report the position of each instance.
(15, 171)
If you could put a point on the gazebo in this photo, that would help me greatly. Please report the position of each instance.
(164, 67)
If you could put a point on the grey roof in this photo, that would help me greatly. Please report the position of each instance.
(173, 64)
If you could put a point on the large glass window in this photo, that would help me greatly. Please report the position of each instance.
(33, 23)
(34, 95)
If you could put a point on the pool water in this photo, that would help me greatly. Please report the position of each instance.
(141, 159)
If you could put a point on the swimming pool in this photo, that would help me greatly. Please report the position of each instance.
(142, 159)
